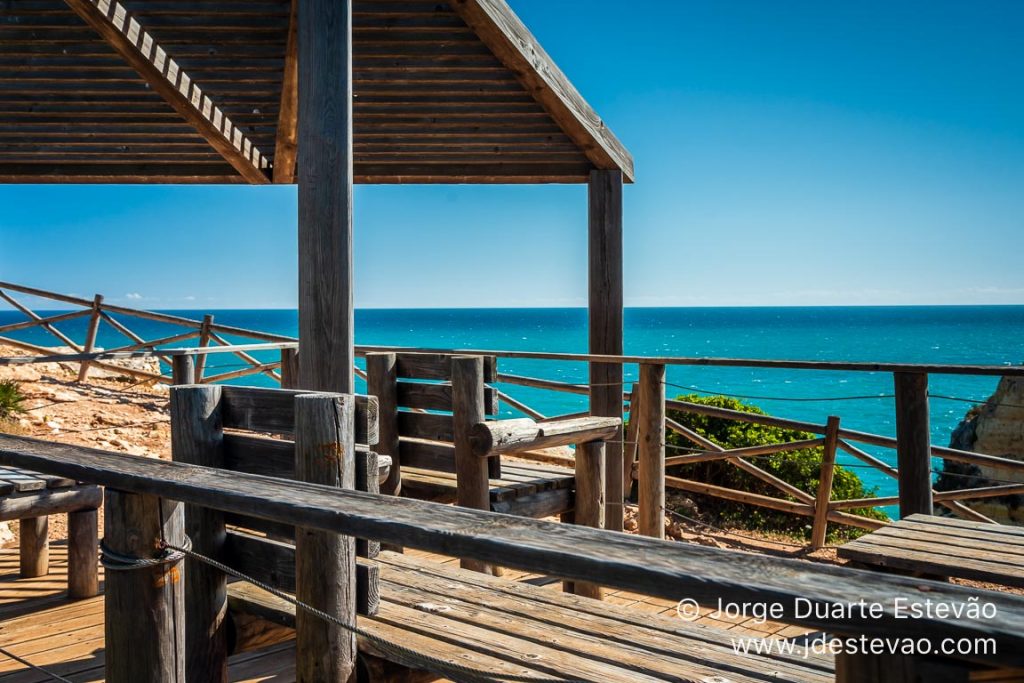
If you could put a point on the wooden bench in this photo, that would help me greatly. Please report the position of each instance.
(433, 452)
(30, 498)
(944, 547)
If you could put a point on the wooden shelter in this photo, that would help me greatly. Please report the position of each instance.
(355, 91)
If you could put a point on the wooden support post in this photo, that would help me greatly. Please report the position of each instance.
(197, 438)
(205, 332)
(325, 196)
(83, 554)
(90, 335)
(828, 469)
(289, 368)
(605, 320)
(590, 503)
(651, 451)
(183, 370)
(325, 563)
(33, 537)
(145, 607)
(472, 483)
(913, 437)
(367, 575)
(382, 382)
(896, 668)
(629, 443)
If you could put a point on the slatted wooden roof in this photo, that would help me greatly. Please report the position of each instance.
(203, 91)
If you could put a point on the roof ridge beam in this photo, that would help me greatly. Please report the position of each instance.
(123, 32)
(515, 46)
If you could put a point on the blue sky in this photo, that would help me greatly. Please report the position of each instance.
(793, 153)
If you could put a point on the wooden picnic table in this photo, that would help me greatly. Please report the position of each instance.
(943, 546)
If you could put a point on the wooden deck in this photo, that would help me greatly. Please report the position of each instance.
(38, 623)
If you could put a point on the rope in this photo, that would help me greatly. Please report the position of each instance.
(19, 660)
(402, 655)
(118, 562)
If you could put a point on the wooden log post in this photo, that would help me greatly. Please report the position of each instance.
(651, 451)
(590, 503)
(289, 368)
(144, 607)
(325, 196)
(629, 444)
(472, 482)
(90, 335)
(183, 369)
(913, 438)
(382, 382)
(325, 563)
(197, 438)
(34, 546)
(83, 554)
(605, 320)
(367, 465)
(205, 333)
(828, 469)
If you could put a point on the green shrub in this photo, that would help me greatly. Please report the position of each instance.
(800, 468)
(11, 399)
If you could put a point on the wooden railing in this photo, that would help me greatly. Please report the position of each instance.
(645, 456)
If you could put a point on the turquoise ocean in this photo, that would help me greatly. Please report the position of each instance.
(937, 334)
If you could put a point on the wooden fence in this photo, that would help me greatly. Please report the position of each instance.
(645, 458)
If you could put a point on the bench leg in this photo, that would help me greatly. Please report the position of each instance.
(35, 546)
(590, 499)
(83, 560)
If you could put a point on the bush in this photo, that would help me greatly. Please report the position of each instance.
(800, 468)
(11, 399)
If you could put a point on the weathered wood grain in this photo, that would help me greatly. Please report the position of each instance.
(83, 554)
(913, 443)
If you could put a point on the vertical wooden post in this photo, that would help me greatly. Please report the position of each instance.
(325, 563)
(651, 451)
(83, 554)
(183, 369)
(197, 438)
(325, 196)
(629, 442)
(590, 503)
(204, 340)
(34, 546)
(382, 382)
(90, 335)
(144, 608)
(913, 450)
(472, 482)
(289, 368)
(367, 575)
(828, 469)
(605, 320)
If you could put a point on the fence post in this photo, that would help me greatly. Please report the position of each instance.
(651, 451)
(629, 444)
(289, 368)
(183, 369)
(197, 438)
(913, 438)
(471, 471)
(325, 563)
(382, 382)
(144, 607)
(205, 331)
(590, 503)
(828, 469)
(83, 563)
(90, 335)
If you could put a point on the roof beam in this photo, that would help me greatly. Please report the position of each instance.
(286, 150)
(139, 49)
(511, 42)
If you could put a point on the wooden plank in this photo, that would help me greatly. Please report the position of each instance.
(197, 438)
(259, 455)
(22, 480)
(913, 438)
(509, 39)
(125, 34)
(286, 148)
(931, 560)
(438, 397)
(565, 551)
(49, 502)
(429, 455)
(438, 366)
(426, 426)
(325, 562)
(326, 306)
(273, 410)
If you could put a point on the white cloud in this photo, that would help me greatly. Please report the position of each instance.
(134, 296)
